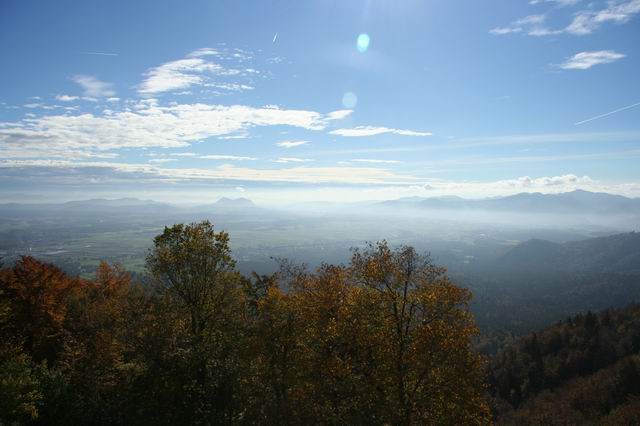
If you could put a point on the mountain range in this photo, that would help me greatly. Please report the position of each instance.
(578, 201)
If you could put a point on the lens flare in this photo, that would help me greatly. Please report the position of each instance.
(363, 42)
(349, 100)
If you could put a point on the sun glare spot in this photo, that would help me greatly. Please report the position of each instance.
(363, 42)
(349, 100)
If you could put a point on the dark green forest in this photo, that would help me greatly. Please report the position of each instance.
(384, 339)
(583, 370)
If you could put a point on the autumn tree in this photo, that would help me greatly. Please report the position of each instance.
(384, 340)
(273, 326)
(432, 373)
(39, 294)
(193, 266)
(99, 360)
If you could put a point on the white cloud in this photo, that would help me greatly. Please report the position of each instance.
(231, 87)
(238, 136)
(340, 114)
(379, 183)
(144, 125)
(586, 60)
(235, 54)
(207, 51)
(196, 70)
(292, 160)
(533, 24)
(481, 189)
(291, 144)
(94, 88)
(38, 105)
(584, 21)
(542, 182)
(184, 154)
(587, 21)
(59, 170)
(505, 30)
(175, 75)
(374, 161)
(558, 2)
(227, 157)
(66, 98)
(161, 160)
(362, 131)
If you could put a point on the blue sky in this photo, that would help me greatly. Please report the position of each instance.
(278, 101)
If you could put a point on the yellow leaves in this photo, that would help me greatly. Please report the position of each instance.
(388, 321)
(383, 340)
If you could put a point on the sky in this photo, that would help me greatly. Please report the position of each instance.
(318, 100)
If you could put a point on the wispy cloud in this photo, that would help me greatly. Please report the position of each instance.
(184, 154)
(162, 160)
(499, 140)
(362, 131)
(94, 88)
(227, 158)
(293, 160)
(134, 173)
(608, 113)
(584, 21)
(586, 60)
(197, 70)
(380, 183)
(374, 161)
(558, 2)
(99, 53)
(291, 144)
(587, 21)
(532, 25)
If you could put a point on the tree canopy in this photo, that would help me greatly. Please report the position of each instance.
(385, 339)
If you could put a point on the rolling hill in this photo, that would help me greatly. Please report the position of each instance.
(617, 253)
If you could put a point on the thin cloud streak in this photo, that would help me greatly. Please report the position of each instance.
(507, 140)
(606, 114)
(364, 131)
(99, 53)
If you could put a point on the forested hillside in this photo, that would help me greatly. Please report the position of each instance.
(386, 339)
(583, 370)
(618, 253)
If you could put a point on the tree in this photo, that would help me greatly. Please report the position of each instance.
(432, 371)
(193, 267)
(98, 360)
(39, 294)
